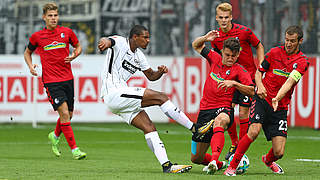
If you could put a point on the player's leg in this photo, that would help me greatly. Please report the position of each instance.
(221, 123)
(232, 131)
(54, 91)
(143, 122)
(200, 144)
(277, 132)
(257, 115)
(151, 98)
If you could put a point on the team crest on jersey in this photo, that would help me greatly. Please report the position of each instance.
(295, 65)
(62, 35)
(228, 72)
(257, 117)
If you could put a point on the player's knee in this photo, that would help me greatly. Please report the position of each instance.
(196, 159)
(162, 97)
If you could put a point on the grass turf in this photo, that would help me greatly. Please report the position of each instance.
(119, 151)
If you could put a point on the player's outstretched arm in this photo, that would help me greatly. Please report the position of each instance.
(28, 60)
(290, 82)
(155, 75)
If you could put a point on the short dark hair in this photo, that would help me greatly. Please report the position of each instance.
(137, 29)
(49, 6)
(233, 44)
(295, 29)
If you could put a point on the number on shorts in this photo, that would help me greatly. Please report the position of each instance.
(283, 125)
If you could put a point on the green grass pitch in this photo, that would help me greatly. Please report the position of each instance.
(119, 151)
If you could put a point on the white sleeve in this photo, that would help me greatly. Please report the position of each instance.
(144, 65)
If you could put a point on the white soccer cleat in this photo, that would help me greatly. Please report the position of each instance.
(178, 168)
(212, 167)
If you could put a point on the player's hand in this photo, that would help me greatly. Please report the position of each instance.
(163, 69)
(261, 92)
(211, 35)
(102, 45)
(33, 69)
(70, 58)
(226, 84)
(275, 103)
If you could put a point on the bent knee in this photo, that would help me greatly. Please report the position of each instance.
(196, 159)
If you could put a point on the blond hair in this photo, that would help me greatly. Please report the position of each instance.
(224, 7)
(49, 6)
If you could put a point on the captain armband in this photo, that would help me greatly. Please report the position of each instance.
(295, 75)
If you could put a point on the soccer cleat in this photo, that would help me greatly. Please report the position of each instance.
(200, 131)
(54, 144)
(224, 165)
(231, 151)
(274, 166)
(212, 167)
(175, 168)
(230, 172)
(77, 154)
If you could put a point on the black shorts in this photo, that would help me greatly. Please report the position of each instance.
(241, 99)
(60, 92)
(206, 116)
(273, 123)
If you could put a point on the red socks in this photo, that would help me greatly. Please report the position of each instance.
(270, 157)
(243, 127)
(57, 131)
(206, 159)
(232, 131)
(242, 148)
(68, 134)
(217, 142)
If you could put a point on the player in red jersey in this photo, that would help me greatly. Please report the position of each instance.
(224, 79)
(52, 44)
(286, 64)
(247, 40)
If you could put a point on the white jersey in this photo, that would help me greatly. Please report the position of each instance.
(120, 65)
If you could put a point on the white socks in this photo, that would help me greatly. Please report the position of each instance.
(157, 146)
(174, 113)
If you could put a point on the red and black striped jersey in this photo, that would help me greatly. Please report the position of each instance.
(277, 67)
(212, 96)
(247, 39)
(53, 48)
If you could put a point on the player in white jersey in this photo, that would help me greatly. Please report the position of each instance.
(123, 59)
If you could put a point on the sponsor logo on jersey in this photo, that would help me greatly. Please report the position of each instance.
(216, 78)
(228, 72)
(54, 45)
(295, 65)
(129, 67)
(62, 35)
(280, 72)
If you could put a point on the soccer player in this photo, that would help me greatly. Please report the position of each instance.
(247, 40)
(269, 108)
(52, 43)
(224, 78)
(123, 59)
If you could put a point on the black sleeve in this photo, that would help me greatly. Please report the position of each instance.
(32, 47)
(264, 66)
(113, 42)
(204, 52)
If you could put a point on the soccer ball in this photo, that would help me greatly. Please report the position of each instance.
(243, 165)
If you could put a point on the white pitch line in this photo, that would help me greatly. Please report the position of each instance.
(308, 160)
